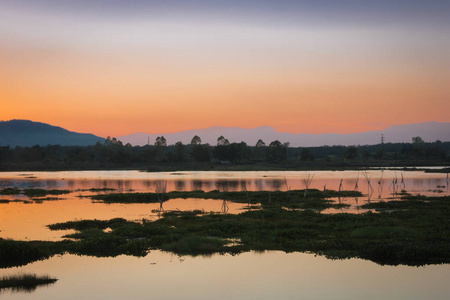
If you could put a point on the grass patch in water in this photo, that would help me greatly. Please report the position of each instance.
(382, 232)
(315, 199)
(18, 253)
(25, 282)
(43, 192)
(196, 244)
(10, 191)
(96, 190)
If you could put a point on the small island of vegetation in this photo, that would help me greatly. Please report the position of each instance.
(25, 282)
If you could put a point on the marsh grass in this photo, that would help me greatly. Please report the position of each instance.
(18, 253)
(96, 190)
(6, 201)
(25, 282)
(197, 245)
(43, 199)
(414, 231)
(33, 192)
(411, 231)
(383, 232)
(10, 191)
(316, 199)
(43, 192)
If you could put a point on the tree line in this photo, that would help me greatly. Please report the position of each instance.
(112, 153)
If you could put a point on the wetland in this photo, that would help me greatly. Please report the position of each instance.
(388, 219)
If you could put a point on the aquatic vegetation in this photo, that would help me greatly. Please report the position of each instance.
(197, 245)
(33, 192)
(96, 190)
(383, 232)
(41, 200)
(25, 282)
(87, 224)
(411, 231)
(10, 191)
(43, 192)
(37, 194)
(18, 253)
(292, 196)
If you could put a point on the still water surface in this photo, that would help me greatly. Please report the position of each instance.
(270, 275)
(251, 275)
(27, 221)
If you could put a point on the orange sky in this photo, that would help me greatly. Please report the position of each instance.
(114, 78)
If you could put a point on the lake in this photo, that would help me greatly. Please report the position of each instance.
(250, 275)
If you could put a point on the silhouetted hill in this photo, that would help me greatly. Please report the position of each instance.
(28, 133)
(429, 132)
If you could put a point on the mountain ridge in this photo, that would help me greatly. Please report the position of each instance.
(24, 133)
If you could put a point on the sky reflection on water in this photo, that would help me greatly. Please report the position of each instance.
(250, 275)
(28, 221)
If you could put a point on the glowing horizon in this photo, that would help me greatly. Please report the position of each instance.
(115, 68)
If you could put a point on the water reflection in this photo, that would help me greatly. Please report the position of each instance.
(197, 185)
(253, 275)
(21, 289)
(275, 184)
(180, 185)
(27, 289)
(21, 221)
(389, 183)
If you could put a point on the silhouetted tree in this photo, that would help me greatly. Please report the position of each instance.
(221, 141)
(161, 141)
(260, 143)
(417, 140)
(196, 140)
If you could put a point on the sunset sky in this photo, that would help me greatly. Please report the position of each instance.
(324, 66)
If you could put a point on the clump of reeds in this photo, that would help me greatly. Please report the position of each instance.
(25, 282)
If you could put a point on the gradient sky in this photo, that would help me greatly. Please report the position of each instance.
(121, 66)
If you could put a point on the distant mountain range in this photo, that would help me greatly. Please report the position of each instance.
(28, 133)
(429, 132)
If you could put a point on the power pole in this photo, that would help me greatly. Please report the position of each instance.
(382, 139)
